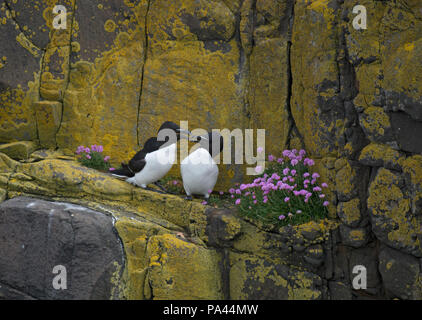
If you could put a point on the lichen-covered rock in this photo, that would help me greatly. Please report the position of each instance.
(350, 212)
(253, 277)
(390, 209)
(18, 150)
(379, 155)
(181, 269)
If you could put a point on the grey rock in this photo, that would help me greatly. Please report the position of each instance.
(37, 235)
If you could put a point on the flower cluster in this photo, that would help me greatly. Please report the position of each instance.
(287, 192)
(93, 158)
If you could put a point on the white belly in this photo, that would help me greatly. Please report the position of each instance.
(199, 173)
(158, 164)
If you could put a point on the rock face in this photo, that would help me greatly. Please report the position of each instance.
(37, 235)
(299, 69)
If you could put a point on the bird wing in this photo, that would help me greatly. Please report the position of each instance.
(137, 164)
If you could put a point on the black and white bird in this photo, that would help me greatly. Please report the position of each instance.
(199, 170)
(155, 160)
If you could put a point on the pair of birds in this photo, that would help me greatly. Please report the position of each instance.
(199, 170)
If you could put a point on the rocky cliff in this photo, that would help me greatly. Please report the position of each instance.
(297, 68)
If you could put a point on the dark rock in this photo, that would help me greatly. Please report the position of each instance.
(408, 132)
(367, 257)
(401, 274)
(354, 237)
(37, 235)
(339, 291)
(222, 227)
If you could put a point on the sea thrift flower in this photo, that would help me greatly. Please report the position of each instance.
(286, 171)
(88, 156)
(294, 162)
(326, 203)
(106, 158)
(299, 211)
(237, 202)
(204, 202)
(282, 217)
(317, 189)
(315, 175)
(324, 185)
(306, 174)
(112, 169)
(258, 169)
(260, 149)
(322, 196)
(293, 172)
(280, 160)
(231, 190)
(286, 199)
(221, 193)
(271, 158)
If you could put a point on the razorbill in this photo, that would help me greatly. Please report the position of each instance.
(199, 170)
(156, 158)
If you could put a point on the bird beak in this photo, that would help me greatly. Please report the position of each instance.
(186, 133)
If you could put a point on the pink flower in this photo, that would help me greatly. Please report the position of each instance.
(258, 169)
(231, 190)
(286, 153)
(315, 175)
(306, 174)
(286, 171)
(280, 160)
(255, 201)
(237, 202)
(282, 217)
(286, 199)
(299, 211)
(88, 156)
(322, 196)
(265, 200)
(221, 193)
(209, 191)
(175, 182)
(271, 158)
(260, 149)
(111, 169)
(294, 162)
(324, 185)
(204, 202)
(293, 172)
(238, 191)
(308, 162)
(106, 158)
(317, 189)
(326, 203)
